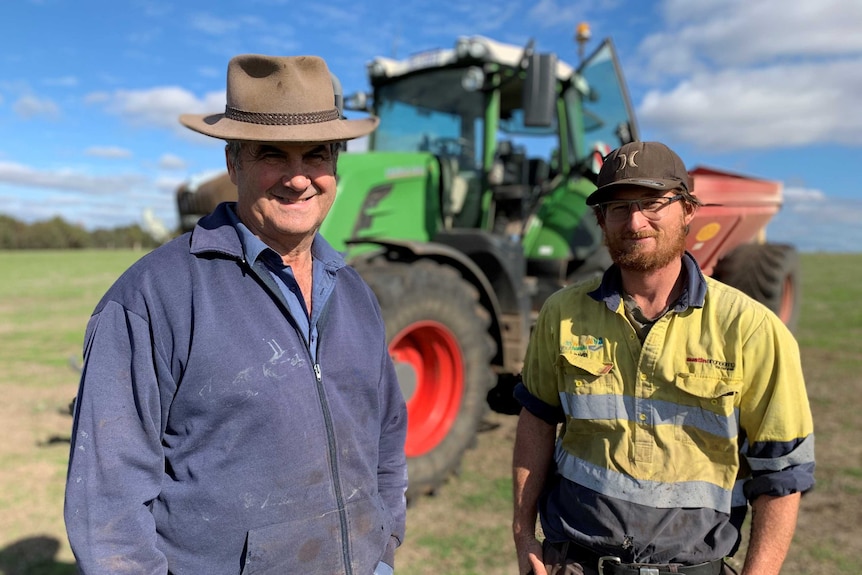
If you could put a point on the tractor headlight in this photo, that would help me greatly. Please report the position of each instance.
(471, 48)
(473, 79)
(376, 69)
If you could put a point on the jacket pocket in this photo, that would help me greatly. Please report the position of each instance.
(314, 545)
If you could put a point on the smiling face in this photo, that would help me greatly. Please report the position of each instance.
(284, 190)
(640, 243)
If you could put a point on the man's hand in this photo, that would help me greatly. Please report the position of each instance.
(530, 556)
(531, 461)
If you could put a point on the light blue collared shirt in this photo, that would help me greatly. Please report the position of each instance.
(255, 249)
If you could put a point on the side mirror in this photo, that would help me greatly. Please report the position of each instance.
(540, 90)
(339, 93)
(357, 102)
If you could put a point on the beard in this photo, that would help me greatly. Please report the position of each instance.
(669, 245)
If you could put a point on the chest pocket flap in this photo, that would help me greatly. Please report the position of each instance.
(707, 387)
(573, 362)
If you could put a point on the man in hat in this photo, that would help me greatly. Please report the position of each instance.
(238, 410)
(681, 402)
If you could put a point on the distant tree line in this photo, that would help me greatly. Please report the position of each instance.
(57, 233)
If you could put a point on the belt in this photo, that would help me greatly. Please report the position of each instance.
(609, 565)
(612, 565)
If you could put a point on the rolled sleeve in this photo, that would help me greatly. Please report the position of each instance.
(780, 468)
(551, 414)
(776, 416)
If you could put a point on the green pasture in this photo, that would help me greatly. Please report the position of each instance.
(46, 298)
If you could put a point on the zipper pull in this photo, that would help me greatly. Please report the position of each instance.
(317, 371)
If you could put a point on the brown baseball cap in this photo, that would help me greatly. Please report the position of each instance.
(644, 164)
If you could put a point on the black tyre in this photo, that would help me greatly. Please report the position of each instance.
(768, 273)
(438, 338)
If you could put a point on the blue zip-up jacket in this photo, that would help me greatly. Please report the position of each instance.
(205, 438)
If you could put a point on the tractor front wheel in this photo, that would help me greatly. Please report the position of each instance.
(439, 343)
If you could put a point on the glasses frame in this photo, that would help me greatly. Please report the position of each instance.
(652, 215)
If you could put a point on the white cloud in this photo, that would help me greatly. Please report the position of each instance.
(732, 74)
(168, 184)
(549, 13)
(216, 26)
(814, 222)
(776, 106)
(97, 98)
(213, 25)
(108, 152)
(29, 194)
(210, 72)
(799, 195)
(29, 106)
(171, 162)
(62, 82)
(741, 32)
(66, 179)
(158, 107)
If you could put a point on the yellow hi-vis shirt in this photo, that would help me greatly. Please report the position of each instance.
(709, 410)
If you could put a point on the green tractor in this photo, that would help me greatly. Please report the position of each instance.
(465, 213)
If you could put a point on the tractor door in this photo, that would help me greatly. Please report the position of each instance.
(563, 242)
(608, 117)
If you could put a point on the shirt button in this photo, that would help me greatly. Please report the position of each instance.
(642, 417)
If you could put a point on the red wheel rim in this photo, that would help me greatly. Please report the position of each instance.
(430, 353)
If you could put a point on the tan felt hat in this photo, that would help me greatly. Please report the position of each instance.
(279, 99)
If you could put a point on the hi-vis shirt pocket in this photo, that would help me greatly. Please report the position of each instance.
(585, 375)
(706, 410)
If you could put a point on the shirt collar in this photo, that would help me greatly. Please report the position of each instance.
(693, 292)
(253, 246)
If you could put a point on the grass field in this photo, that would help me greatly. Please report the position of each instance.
(46, 298)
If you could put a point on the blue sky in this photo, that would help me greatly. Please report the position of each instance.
(90, 90)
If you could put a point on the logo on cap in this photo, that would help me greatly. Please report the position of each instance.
(627, 159)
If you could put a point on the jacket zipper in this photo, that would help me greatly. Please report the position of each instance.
(336, 476)
(267, 280)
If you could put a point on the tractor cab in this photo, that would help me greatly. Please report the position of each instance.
(517, 137)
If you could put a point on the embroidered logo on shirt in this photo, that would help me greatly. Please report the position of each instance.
(584, 344)
(726, 365)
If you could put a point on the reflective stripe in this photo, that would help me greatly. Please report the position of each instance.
(804, 453)
(656, 412)
(655, 493)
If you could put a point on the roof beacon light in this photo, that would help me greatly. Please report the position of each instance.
(582, 36)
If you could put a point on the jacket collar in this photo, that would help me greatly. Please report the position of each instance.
(218, 232)
(610, 291)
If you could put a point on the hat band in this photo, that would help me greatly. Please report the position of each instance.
(275, 119)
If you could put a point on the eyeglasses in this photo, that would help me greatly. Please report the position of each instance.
(620, 210)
